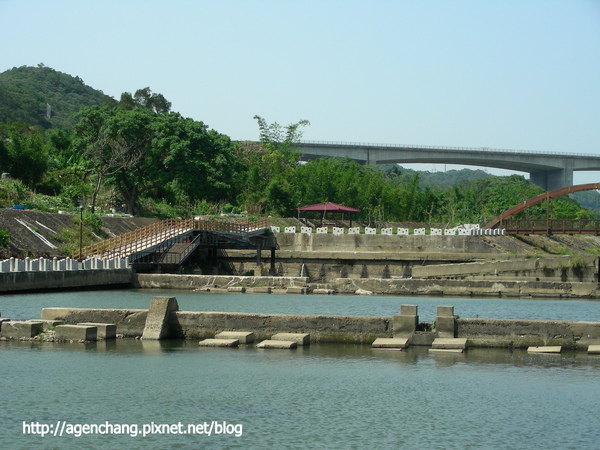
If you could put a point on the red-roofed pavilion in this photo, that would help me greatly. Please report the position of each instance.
(331, 208)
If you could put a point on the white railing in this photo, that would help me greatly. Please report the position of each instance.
(61, 265)
(463, 230)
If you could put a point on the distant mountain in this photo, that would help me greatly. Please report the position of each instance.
(437, 180)
(26, 92)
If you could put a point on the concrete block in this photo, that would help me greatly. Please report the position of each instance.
(3, 320)
(337, 231)
(545, 349)
(419, 231)
(386, 231)
(277, 344)
(594, 350)
(296, 290)
(105, 330)
(322, 230)
(445, 311)
(290, 230)
(402, 231)
(323, 291)
(219, 343)
(158, 318)
(390, 343)
(219, 290)
(445, 322)
(244, 337)
(369, 230)
(236, 289)
(262, 290)
(404, 325)
(76, 333)
(409, 310)
(21, 329)
(298, 338)
(446, 350)
(449, 343)
(422, 338)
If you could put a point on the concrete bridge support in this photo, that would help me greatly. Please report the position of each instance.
(552, 179)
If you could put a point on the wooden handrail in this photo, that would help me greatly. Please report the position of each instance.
(155, 233)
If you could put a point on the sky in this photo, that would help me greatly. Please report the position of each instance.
(503, 74)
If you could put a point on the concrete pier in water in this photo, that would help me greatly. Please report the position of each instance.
(468, 332)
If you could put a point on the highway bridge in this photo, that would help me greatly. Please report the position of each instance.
(548, 170)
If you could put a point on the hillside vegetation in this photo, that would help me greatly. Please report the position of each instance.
(135, 155)
(26, 92)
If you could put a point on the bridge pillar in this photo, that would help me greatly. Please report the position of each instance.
(552, 179)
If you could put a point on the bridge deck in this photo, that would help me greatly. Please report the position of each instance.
(148, 239)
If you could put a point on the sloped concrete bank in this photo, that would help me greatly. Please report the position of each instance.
(177, 324)
(380, 286)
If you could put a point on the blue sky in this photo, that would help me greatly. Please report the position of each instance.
(496, 73)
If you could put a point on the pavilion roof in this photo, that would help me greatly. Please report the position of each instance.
(328, 207)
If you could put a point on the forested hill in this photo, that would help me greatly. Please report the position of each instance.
(25, 92)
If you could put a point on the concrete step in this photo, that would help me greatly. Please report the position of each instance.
(244, 337)
(446, 350)
(449, 343)
(21, 329)
(105, 330)
(594, 350)
(236, 290)
(219, 343)
(262, 290)
(298, 338)
(545, 349)
(390, 343)
(296, 290)
(269, 343)
(76, 333)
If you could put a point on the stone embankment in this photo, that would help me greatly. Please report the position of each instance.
(163, 320)
(370, 286)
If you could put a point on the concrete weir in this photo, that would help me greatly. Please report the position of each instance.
(163, 320)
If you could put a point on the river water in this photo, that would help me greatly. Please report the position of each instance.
(322, 396)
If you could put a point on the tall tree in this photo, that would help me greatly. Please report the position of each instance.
(111, 141)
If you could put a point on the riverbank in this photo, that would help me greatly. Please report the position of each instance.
(371, 286)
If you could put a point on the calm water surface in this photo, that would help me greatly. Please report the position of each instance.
(324, 396)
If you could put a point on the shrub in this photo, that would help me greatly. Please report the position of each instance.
(4, 239)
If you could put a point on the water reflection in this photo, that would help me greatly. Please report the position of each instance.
(316, 353)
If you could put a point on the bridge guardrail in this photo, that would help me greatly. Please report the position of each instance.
(439, 147)
(552, 226)
(144, 237)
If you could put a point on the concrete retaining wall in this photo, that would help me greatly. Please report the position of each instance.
(341, 329)
(377, 243)
(25, 281)
(200, 282)
(525, 333)
(456, 288)
(558, 268)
